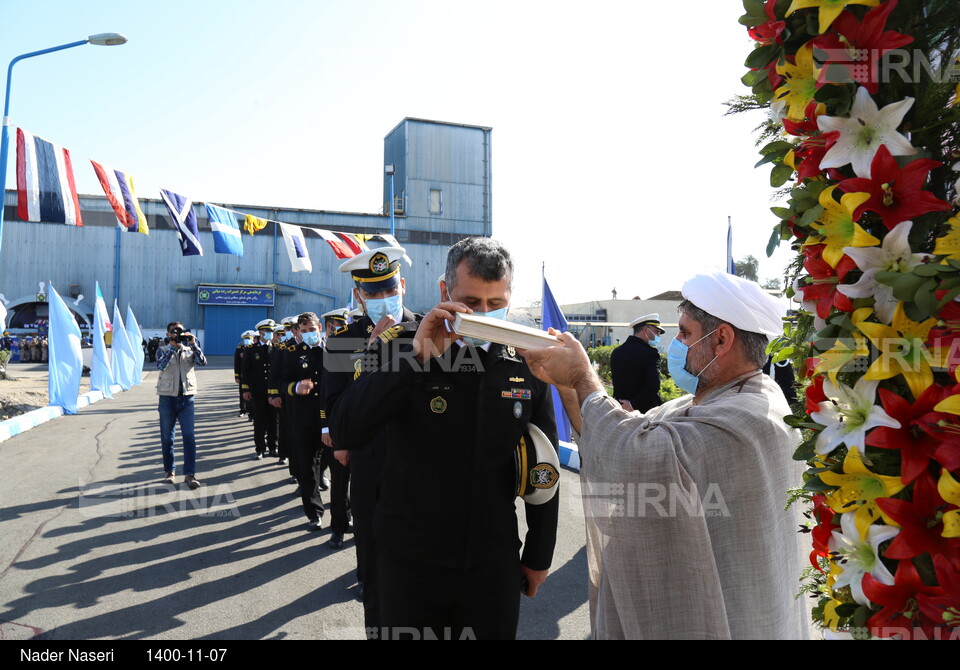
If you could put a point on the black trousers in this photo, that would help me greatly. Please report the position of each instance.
(365, 468)
(423, 601)
(339, 493)
(264, 423)
(307, 451)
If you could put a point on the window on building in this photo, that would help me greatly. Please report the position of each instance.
(436, 201)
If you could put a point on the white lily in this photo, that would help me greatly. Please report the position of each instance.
(849, 414)
(956, 186)
(858, 557)
(864, 131)
(894, 255)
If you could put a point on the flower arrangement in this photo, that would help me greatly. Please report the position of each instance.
(863, 141)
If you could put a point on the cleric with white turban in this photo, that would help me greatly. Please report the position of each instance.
(687, 537)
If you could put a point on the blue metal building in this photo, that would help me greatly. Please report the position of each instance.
(442, 187)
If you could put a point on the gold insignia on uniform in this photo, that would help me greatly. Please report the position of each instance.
(438, 405)
(357, 368)
(257, 357)
(340, 330)
(391, 333)
(511, 351)
(369, 329)
(517, 380)
(543, 476)
(379, 264)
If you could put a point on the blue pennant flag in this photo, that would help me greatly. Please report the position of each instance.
(122, 360)
(553, 318)
(101, 378)
(66, 361)
(135, 336)
(184, 222)
(226, 232)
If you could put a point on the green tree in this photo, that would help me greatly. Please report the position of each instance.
(748, 267)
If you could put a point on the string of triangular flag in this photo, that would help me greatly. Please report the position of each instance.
(46, 192)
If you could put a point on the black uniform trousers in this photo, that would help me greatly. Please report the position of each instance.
(427, 601)
(339, 493)
(308, 448)
(264, 423)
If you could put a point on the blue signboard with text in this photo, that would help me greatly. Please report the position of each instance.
(252, 296)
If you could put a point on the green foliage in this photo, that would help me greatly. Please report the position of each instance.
(4, 357)
(600, 357)
(748, 267)
(669, 390)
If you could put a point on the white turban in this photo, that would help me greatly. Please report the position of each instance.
(738, 301)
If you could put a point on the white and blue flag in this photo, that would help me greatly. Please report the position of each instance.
(226, 232)
(184, 222)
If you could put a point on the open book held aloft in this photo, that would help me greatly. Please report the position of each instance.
(501, 332)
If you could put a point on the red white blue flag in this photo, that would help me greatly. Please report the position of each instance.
(122, 196)
(46, 190)
(184, 221)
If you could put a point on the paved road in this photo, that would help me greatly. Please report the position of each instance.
(93, 547)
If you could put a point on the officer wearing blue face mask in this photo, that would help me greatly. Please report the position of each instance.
(379, 289)
(635, 366)
(255, 379)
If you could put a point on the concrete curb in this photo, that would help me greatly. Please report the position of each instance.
(28, 420)
(569, 456)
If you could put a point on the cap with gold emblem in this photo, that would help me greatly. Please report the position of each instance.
(375, 270)
(289, 321)
(279, 328)
(339, 315)
(648, 320)
(355, 314)
(266, 324)
(537, 467)
(248, 333)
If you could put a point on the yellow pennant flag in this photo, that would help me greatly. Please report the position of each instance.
(253, 223)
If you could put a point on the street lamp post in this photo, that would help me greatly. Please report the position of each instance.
(390, 170)
(101, 39)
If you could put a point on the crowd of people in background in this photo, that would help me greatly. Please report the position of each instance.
(31, 348)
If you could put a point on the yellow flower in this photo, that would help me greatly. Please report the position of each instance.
(902, 351)
(949, 489)
(858, 490)
(830, 618)
(800, 83)
(829, 9)
(837, 228)
(949, 244)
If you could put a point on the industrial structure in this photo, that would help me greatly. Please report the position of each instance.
(439, 174)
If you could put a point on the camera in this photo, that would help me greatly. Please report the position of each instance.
(182, 336)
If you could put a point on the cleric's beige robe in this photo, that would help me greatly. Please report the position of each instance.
(687, 537)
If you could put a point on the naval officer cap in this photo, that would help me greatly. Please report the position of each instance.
(279, 328)
(355, 313)
(266, 324)
(249, 333)
(375, 270)
(335, 315)
(737, 301)
(537, 467)
(289, 321)
(648, 320)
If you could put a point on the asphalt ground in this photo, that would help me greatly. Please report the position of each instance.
(94, 547)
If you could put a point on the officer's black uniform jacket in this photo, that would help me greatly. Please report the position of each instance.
(255, 369)
(447, 493)
(301, 361)
(635, 368)
(237, 360)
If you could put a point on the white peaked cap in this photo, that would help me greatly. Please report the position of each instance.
(738, 301)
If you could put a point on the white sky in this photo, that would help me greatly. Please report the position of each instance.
(612, 162)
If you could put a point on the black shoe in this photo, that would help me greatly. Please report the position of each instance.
(282, 461)
(273, 453)
(323, 484)
(259, 456)
(315, 524)
(336, 541)
(349, 528)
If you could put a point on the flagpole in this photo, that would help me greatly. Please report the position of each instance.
(116, 269)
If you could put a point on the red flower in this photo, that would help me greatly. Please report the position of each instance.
(811, 152)
(896, 194)
(815, 395)
(945, 607)
(900, 614)
(822, 532)
(806, 127)
(920, 521)
(858, 47)
(946, 333)
(769, 32)
(823, 281)
(918, 437)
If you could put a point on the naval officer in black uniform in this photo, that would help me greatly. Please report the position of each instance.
(450, 562)
(255, 377)
(635, 366)
(379, 288)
